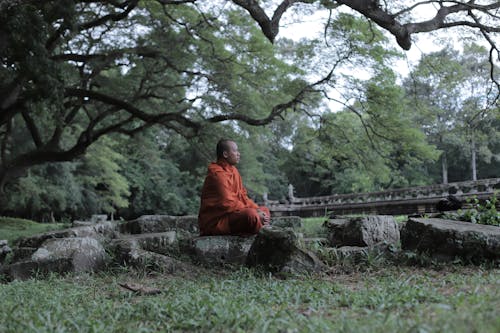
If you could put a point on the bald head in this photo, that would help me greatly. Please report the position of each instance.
(222, 146)
(228, 150)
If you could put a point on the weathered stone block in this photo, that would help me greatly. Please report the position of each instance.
(104, 229)
(151, 261)
(127, 251)
(448, 238)
(279, 251)
(363, 231)
(160, 223)
(162, 242)
(335, 231)
(27, 269)
(86, 254)
(293, 222)
(4, 250)
(222, 249)
(22, 253)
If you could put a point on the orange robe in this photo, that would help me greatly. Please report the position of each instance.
(223, 194)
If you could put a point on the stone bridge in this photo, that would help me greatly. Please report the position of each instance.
(404, 201)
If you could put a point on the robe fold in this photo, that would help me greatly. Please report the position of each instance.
(223, 193)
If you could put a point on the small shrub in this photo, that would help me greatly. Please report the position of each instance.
(482, 213)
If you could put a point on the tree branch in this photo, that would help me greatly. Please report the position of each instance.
(30, 124)
(110, 17)
(270, 27)
(162, 118)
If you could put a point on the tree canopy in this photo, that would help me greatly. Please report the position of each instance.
(78, 73)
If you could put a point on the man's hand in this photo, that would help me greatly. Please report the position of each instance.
(266, 219)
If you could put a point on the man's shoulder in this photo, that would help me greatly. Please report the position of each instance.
(216, 168)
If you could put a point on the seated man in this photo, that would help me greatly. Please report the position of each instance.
(225, 207)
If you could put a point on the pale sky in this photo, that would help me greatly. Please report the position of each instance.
(296, 28)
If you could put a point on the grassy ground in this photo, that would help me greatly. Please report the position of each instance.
(313, 226)
(13, 228)
(363, 298)
(389, 299)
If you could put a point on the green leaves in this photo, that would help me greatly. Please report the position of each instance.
(99, 174)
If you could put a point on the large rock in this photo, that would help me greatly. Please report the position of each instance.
(279, 251)
(59, 255)
(162, 242)
(447, 239)
(335, 231)
(27, 269)
(293, 222)
(363, 231)
(86, 254)
(104, 229)
(4, 250)
(128, 251)
(22, 253)
(160, 223)
(222, 249)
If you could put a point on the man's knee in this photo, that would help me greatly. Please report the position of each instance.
(249, 221)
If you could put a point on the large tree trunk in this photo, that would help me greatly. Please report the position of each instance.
(444, 168)
(473, 158)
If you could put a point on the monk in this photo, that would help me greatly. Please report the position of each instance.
(225, 206)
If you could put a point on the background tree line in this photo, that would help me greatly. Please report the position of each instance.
(116, 106)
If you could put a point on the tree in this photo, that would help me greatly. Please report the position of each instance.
(372, 145)
(93, 72)
(453, 100)
(73, 71)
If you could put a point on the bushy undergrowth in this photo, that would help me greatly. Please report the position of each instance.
(12, 228)
(389, 300)
(482, 213)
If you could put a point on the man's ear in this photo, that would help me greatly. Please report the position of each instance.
(224, 153)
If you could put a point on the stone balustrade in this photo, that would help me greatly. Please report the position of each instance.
(420, 199)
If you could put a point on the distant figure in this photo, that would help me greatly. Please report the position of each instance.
(450, 203)
(225, 206)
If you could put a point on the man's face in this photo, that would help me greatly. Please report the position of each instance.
(232, 154)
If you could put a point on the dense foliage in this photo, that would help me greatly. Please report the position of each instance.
(116, 106)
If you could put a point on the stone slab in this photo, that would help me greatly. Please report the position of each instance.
(279, 250)
(24, 270)
(222, 249)
(86, 253)
(160, 223)
(104, 229)
(448, 238)
(161, 242)
(363, 231)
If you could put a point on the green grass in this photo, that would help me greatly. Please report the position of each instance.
(313, 227)
(394, 299)
(12, 228)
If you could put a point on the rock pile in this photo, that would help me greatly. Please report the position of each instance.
(171, 243)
